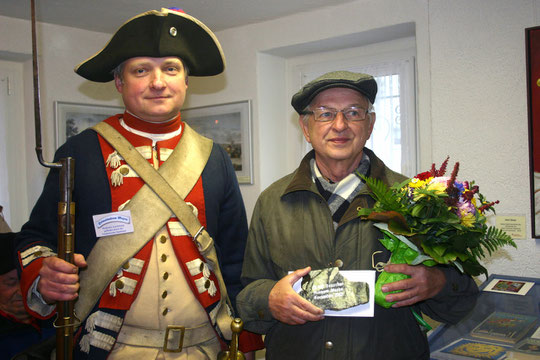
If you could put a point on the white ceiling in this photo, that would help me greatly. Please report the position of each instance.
(108, 15)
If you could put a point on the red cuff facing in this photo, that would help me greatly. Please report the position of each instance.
(28, 275)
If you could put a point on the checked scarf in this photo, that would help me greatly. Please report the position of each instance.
(339, 195)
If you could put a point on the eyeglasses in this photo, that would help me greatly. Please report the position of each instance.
(324, 114)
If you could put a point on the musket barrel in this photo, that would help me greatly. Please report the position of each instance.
(66, 321)
(37, 102)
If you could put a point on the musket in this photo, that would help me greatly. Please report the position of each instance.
(66, 320)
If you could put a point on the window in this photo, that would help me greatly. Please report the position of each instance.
(394, 135)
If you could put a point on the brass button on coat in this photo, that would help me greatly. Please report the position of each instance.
(164, 294)
(163, 239)
(119, 284)
(125, 266)
(124, 171)
(338, 263)
(165, 276)
(163, 258)
(328, 345)
(207, 284)
(165, 311)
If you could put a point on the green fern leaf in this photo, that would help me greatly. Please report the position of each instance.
(384, 195)
(493, 239)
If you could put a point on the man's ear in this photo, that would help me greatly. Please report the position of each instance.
(372, 118)
(303, 121)
(118, 83)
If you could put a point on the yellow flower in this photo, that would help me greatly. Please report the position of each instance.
(467, 219)
(438, 187)
(417, 183)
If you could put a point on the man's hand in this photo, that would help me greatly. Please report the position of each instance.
(289, 307)
(424, 283)
(59, 280)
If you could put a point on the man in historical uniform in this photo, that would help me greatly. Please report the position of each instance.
(165, 299)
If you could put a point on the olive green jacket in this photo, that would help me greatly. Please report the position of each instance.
(291, 228)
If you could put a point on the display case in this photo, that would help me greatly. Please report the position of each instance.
(504, 324)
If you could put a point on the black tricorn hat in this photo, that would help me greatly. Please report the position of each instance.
(7, 257)
(363, 83)
(158, 34)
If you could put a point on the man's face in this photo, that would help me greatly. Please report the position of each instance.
(338, 141)
(11, 301)
(153, 89)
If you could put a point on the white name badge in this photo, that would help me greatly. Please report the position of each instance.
(114, 223)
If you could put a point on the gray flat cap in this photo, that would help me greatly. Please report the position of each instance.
(363, 83)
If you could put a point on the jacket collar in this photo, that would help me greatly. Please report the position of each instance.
(302, 178)
(302, 181)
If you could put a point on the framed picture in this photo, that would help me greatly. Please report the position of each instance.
(229, 125)
(72, 118)
(532, 36)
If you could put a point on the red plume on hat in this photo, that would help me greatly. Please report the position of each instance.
(177, 9)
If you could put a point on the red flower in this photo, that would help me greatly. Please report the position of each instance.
(487, 206)
(424, 175)
(437, 173)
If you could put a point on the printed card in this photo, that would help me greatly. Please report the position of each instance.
(466, 349)
(362, 310)
(514, 287)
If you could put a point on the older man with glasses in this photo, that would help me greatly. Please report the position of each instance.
(308, 220)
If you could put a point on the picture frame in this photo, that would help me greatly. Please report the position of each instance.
(228, 125)
(532, 38)
(72, 118)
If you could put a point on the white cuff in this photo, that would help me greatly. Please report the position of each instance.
(36, 302)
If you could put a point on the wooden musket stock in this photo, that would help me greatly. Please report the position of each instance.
(65, 321)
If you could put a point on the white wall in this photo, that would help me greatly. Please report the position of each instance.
(13, 191)
(479, 106)
(470, 74)
(471, 92)
(257, 58)
(60, 49)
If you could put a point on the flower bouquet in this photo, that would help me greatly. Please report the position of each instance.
(432, 219)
